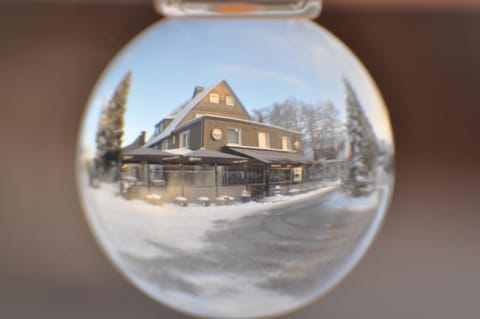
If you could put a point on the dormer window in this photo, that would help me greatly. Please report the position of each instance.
(185, 139)
(229, 100)
(164, 145)
(214, 98)
(159, 129)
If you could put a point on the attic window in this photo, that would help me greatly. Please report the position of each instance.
(214, 98)
(229, 100)
(159, 129)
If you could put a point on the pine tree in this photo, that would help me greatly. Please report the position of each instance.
(359, 175)
(110, 127)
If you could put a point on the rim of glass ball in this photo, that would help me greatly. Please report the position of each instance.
(308, 9)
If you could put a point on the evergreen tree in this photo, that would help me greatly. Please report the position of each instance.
(110, 128)
(359, 174)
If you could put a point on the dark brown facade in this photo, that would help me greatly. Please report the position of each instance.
(217, 118)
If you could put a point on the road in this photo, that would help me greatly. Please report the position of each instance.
(290, 250)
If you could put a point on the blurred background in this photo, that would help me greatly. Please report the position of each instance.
(425, 56)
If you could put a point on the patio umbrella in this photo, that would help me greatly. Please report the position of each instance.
(203, 156)
(150, 155)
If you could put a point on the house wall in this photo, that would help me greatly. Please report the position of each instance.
(249, 134)
(221, 109)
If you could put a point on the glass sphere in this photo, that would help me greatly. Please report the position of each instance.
(235, 168)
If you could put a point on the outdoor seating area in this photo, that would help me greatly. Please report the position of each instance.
(205, 177)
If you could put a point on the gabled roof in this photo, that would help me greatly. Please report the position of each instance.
(180, 115)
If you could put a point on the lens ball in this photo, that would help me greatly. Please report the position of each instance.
(235, 168)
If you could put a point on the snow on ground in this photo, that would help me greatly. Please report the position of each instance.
(170, 242)
(139, 228)
(216, 302)
(340, 201)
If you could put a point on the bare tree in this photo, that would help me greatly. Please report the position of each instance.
(318, 123)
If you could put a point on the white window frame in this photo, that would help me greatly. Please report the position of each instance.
(174, 139)
(214, 98)
(158, 129)
(239, 135)
(286, 143)
(164, 144)
(229, 100)
(184, 144)
(267, 140)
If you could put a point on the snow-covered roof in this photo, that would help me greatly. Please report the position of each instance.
(180, 115)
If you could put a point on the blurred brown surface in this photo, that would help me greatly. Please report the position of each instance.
(425, 263)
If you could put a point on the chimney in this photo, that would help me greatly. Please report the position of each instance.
(141, 138)
(197, 90)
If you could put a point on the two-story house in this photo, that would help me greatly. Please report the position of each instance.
(215, 120)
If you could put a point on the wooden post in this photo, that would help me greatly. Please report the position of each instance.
(147, 174)
(216, 180)
(288, 179)
(245, 175)
(181, 180)
(267, 180)
(303, 175)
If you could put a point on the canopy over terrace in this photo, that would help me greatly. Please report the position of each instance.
(203, 156)
(181, 156)
(277, 164)
(150, 155)
(270, 157)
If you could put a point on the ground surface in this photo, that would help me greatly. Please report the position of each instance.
(213, 260)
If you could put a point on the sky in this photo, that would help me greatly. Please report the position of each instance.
(264, 61)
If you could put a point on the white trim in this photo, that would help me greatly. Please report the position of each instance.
(182, 143)
(262, 148)
(245, 121)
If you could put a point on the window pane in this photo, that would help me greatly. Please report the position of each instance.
(229, 100)
(286, 143)
(263, 139)
(214, 98)
(233, 136)
(185, 139)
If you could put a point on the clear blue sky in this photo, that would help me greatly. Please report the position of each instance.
(264, 61)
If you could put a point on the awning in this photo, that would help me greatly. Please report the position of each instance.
(149, 155)
(203, 156)
(181, 156)
(270, 157)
